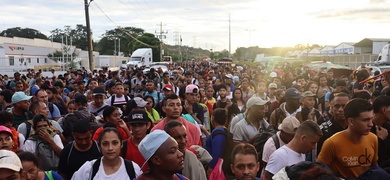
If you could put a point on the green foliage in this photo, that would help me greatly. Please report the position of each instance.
(78, 35)
(107, 43)
(23, 32)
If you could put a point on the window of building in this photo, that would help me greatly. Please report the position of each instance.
(37, 60)
(11, 60)
(28, 60)
(45, 60)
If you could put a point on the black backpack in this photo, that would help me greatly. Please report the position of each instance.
(228, 148)
(128, 165)
(260, 141)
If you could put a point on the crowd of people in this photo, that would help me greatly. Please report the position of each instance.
(195, 121)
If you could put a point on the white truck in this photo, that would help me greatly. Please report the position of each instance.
(383, 56)
(141, 57)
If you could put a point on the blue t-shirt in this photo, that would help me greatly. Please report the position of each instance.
(157, 96)
(56, 112)
(215, 146)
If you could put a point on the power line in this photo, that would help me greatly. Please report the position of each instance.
(123, 30)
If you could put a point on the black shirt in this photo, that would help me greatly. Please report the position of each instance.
(76, 158)
(383, 145)
(328, 128)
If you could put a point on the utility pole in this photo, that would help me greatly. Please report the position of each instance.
(181, 57)
(161, 37)
(230, 39)
(90, 48)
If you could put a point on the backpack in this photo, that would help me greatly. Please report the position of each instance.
(113, 99)
(46, 154)
(260, 141)
(228, 148)
(128, 165)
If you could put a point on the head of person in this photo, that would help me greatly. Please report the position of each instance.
(98, 96)
(59, 85)
(293, 97)
(110, 143)
(279, 94)
(192, 91)
(71, 106)
(6, 96)
(362, 75)
(80, 100)
(17, 76)
(30, 163)
(167, 90)
(237, 94)
(309, 99)
(222, 91)
(40, 122)
(93, 83)
(340, 85)
(21, 101)
(209, 92)
(81, 85)
(10, 166)
(307, 136)
(322, 80)
(312, 86)
(172, 106)
(82, 135)
(288, 128)
(119, 90)
(337, 104)
(140, 123)
(300, 80)
(256, 108)
(245, 163)
(364, 95)
(381, 107)
(150, 86)
(219, 117)
(51, 93)
(41, 95)
(6, 119)
(19, 86)
(261, 86)
(329, 74)
(111, 114)
(150, 102)
(111, 88)
(6, 138)
(166, 77)
(161, 152)
(359, 113)
(229, 79)
(178, 131)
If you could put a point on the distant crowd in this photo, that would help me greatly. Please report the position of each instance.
(195, 120)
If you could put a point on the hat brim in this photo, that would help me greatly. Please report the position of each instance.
(139, 122)
(142, 104)
(12, 167)
(96, 94)
(169, 89)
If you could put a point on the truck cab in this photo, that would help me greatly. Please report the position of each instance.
(141, 57)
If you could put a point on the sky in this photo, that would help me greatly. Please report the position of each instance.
(205, 23)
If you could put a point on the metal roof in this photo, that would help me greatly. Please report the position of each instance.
(367, 42)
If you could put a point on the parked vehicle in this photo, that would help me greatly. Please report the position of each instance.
(383, 56)
(141, 57)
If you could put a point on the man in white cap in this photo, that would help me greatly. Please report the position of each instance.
(20, 103)
(286, 132)
(253, 123)
(304, 141)
(10, 166)
(162, 154)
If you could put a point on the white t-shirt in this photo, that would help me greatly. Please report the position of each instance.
(31, 145)
(121, 174)
(283, 157)
(269, 147)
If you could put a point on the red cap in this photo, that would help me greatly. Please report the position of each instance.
(168, 87)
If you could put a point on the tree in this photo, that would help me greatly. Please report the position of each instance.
(148, 39)
(23, 32)
(107, 43)
(78, 36)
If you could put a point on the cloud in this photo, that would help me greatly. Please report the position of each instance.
(377, 14)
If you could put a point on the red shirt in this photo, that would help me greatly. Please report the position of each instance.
(133, 154)
(121, 131)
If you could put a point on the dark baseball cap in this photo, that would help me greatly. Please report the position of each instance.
(292, 93)
(138, 116)
(98, 91)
